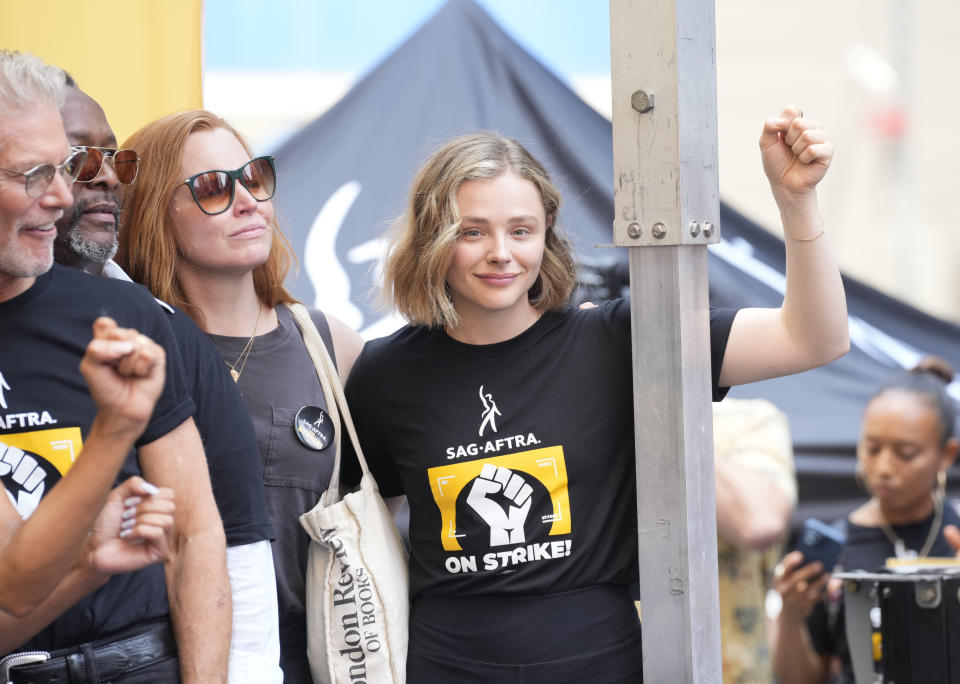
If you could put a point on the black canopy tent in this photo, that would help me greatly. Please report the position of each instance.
(345, 175)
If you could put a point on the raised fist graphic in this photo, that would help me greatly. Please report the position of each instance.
(24, 477)
(506, 526)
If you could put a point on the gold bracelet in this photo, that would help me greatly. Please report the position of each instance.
(812, 237)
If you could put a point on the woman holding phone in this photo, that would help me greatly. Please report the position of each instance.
(506, 417)
(907, 444)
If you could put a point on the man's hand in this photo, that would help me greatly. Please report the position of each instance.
(132, 530)
(796, 152)
(125, 372)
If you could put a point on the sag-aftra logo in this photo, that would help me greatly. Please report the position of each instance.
(32, 460)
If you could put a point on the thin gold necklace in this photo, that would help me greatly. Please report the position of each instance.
(899, 547)
(245, 352)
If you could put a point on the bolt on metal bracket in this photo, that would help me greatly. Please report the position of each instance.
(632, 231)
(642, 101)
(928, 594)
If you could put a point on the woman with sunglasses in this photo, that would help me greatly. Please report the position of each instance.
(506, 418)
(200, 233)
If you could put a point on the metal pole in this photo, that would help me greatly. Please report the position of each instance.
(667, 211)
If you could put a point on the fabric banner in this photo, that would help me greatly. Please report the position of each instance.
(139, 60)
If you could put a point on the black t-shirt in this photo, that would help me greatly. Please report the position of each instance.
(868, 548)
(46, 412)
(228, 437)
(516, 458)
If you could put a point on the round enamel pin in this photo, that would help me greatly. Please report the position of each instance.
(314, 428)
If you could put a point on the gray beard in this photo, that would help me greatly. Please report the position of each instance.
(89, 250)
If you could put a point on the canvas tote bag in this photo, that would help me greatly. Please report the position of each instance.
(357, 584)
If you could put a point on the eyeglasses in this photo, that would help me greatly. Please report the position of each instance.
(37, 180)
(213, 191)
(125, 164)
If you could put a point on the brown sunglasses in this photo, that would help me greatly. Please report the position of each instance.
(125, 164)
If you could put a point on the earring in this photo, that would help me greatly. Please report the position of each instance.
(942, 484)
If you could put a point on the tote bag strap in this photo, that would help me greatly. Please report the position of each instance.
(332, 392)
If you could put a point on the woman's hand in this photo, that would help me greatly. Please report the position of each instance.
(796, 153)
(125, 372)
(799, 585)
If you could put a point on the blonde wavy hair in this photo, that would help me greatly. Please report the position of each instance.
(422, 240)
(148, 250)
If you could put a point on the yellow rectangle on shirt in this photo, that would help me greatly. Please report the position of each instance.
(546, 465)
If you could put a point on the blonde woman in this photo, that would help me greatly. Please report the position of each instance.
(523, 528)
(201, 234)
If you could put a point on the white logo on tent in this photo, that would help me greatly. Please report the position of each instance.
(331, 284)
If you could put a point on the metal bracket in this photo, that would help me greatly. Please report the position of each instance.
(928, 594)
(631, 233)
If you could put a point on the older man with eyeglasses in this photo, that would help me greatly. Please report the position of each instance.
(59, 545)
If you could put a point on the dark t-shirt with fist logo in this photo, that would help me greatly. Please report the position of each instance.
(46, 412)
(517, 458)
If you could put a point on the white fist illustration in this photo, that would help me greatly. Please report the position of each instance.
(26, 472)
(506, 527)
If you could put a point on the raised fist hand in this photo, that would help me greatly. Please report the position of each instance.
(125, 372)
(796, 152)
(22, 468)
(24, 477)
(506, 526)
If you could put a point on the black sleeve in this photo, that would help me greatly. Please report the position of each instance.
(175, 404)
(236, 474)
(721, 320)
(364, 410)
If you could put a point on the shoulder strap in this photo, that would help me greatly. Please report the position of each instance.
(332, 392)
(323, 327)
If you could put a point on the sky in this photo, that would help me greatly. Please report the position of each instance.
(569, 36)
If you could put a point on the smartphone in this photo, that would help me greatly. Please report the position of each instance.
(819, 541)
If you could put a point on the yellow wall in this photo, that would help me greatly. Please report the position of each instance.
(140, 59)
